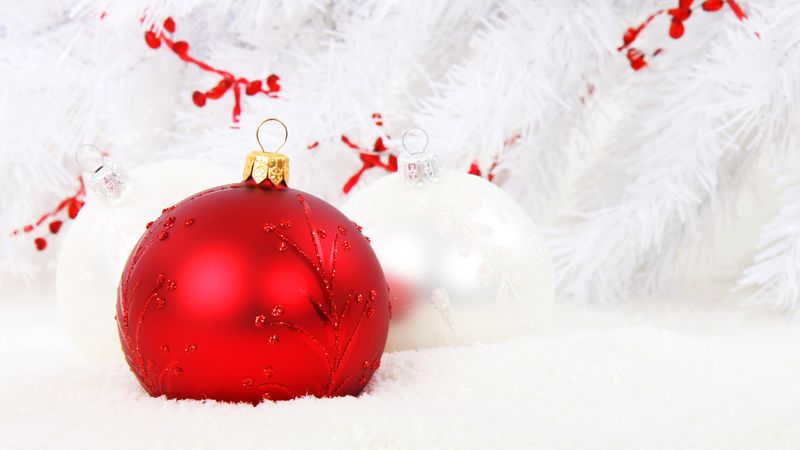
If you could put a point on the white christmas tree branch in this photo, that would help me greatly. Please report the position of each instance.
(775, 273)
(693, 130)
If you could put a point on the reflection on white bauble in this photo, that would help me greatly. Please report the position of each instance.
(102, 236)
(463, 260)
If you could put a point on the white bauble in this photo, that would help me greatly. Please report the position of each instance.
(100, 239)
(463, 260)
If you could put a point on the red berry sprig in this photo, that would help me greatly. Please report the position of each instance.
(678, 15)
(369, 158)
(228, 82)
(72, 205)
(474, 168)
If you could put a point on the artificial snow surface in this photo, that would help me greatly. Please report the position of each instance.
(699, 372)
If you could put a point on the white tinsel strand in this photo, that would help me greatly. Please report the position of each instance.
(775, 274)
(693, 129)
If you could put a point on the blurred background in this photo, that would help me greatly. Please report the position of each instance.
(647, 139)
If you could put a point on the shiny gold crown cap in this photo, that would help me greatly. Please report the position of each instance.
(263, 165)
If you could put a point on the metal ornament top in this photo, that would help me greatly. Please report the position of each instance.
(263, 165)
(103, 177)
(417, 165)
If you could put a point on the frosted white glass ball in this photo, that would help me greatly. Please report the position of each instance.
(463, 260)
(100, 239)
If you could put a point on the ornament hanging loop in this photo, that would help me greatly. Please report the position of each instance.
(102, 176)
(416, 151)
(262, 165)
(285, 134)
(89, 158)
(419, 165)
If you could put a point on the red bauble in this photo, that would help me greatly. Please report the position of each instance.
(248, 292)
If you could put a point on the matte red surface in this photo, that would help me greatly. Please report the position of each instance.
(247, 292)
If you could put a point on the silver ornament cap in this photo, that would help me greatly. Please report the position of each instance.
(416, 162)
(102, 176)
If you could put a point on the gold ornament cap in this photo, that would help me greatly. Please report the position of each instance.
(263, 165)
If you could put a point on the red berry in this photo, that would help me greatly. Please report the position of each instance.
(181, 47)
(199, 98)
(169, 24)
(679, 13)
(636, 59)
(55, 226)
(219, 90)
(712, 5)
(73, 207)
(40, 243)
(392, 166)
(676, 29)
(253, 87)
(272, 83)
(630, 36)
(28, 228)
(378, 146)
(474, 169)
(152, 40)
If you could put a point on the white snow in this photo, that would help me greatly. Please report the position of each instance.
(691, 371)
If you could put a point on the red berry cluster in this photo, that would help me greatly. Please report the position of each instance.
(72, 205)
(228, 82)
(372, 157)
(474, 168)
(369, 158)
(678, 15)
